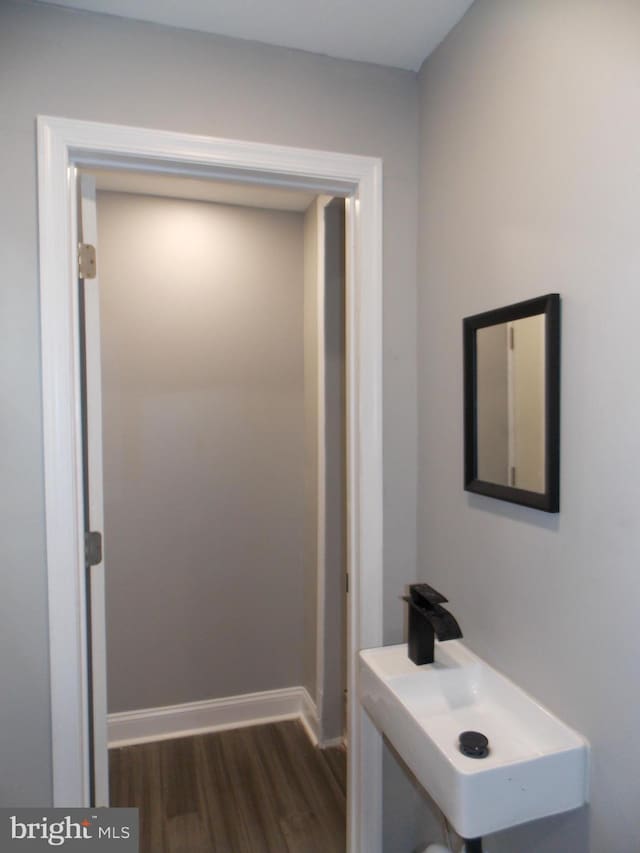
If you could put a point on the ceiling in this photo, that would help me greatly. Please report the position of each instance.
(399, 33)
(222, 192)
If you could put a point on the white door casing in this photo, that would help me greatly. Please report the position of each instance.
(64, 144)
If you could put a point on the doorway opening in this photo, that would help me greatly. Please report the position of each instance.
(214, 413)
(63, 147)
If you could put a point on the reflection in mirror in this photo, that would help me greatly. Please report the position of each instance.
(511, 403)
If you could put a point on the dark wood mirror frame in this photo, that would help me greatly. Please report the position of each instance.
(549, 305)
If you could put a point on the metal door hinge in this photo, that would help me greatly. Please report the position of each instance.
(86, 260)
(512, 341)
(93, 547)
(347, 583)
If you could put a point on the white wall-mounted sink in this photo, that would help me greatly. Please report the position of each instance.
(537, 766)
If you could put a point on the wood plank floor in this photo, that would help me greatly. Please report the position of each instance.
(264, 789)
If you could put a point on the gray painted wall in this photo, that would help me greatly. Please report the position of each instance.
(530, 184)
(202, 363)
(311, 255)
(324, 248)
(102, 68)
(335, 647)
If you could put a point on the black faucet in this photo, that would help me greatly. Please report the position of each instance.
(428, 619)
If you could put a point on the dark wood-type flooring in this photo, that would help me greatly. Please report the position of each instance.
(264, 789)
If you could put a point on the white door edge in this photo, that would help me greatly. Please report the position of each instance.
(93, 380)
(66, 143)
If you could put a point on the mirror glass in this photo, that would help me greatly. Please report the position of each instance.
(511, 362)
(511, 404)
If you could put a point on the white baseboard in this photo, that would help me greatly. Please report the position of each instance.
(333, 741)
(309, 716)
(231, 712)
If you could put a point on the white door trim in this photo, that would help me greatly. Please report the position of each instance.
(97, 637)
(321, 458)
(65, 143)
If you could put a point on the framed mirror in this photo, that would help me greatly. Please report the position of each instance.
(512, 403)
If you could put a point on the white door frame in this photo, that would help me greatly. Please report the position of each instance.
(66, 143)
(321, 459)
(94, 498)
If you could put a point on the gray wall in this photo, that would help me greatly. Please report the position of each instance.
(93, 67)
(311, 256)
(531, 184)
(202, 351)
(335, 648)
(324, 247)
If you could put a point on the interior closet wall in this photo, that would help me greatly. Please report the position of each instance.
(335, 532)
(202, 349)
(311, 258)
(325, 460)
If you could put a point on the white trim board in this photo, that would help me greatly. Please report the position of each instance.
(230, 712)
(66, 143)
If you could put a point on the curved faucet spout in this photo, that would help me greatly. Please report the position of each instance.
(427, 620)
(444, 624)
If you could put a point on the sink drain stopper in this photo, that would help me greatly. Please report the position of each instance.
(474, 744)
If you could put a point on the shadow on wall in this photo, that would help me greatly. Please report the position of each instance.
(569, 832)
(411, 818)
(514, 512)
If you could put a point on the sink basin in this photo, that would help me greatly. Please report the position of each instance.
(536, 767)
